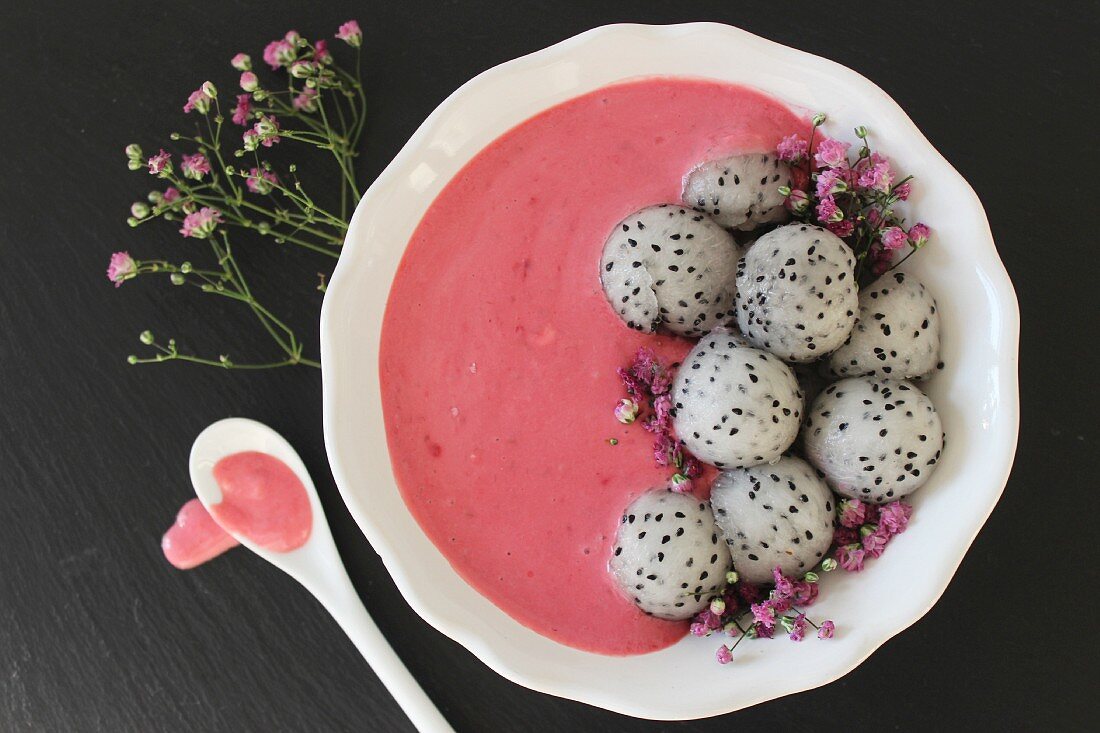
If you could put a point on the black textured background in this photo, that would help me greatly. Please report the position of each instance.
(98, 633)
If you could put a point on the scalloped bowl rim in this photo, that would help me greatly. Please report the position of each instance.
(679, 682)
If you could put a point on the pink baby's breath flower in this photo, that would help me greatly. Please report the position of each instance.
(798, 202)
(831, 153)
(198, 100)
(243, 109)
(201, 224)
(350, 33)
(161, 163)
(842, 228)
(894, 238)
(121, 267)
(661, 382)
(698, 629)
(321, 52)
(903, 190)
(894, 517)
(293, 37)
(691, 467)
(850, 557)
(828, 211)
(171, 195)
(306, 101)
(874, 544)
(853, 512)
(267, 130)
(249, 81)
(662, 407)
(830, 181)
(792, 149)
(805, 593)
(241, 62)
(826, 630)
(723, 655)
(662, 448)
(261, 181)
(763, 632)
(764, 613)
(784, 586)
(195, 166)
(918, 234)
(877, 177)
(279, 53)
(634, 386)
(798, 627)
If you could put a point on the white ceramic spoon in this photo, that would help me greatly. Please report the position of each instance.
(316, 564)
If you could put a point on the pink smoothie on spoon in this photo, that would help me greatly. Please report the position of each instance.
(262, 499)
(499, 350)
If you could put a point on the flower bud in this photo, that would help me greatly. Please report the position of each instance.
(134, 164)
(828, 565)
(209, 89)
(717, 606)
(784, 190)
(867, 529)
(818, 119)
(294, 38)
(131, 359)
(626, 411)
(811, 577)
(861, 132)
(177, 279)
(132, 221)
(185, 267)
(732, 577)
(250, 82)
(301, 69)
(224, 359)
(241, 62)
(263, 228)
(155, 197)
(146, 337)
(139, 209)
(133, 152)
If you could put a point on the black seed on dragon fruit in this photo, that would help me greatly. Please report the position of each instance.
(741, 191)
(734, 405)
(774, 515)
(668, 266)
(897, 334)
(667, 556)
(796, 293)
(874, 439)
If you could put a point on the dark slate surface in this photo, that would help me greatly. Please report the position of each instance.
(97, 633)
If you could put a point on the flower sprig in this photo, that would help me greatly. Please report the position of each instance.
(864, 531)
(740, 610)
(854, 199)
(648, 382)
(322, 106)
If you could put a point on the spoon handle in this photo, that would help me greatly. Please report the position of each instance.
(338, 596)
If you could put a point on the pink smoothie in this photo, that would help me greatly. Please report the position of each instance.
(499, 351)
(262, 499)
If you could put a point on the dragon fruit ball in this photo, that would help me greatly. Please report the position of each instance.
(740, 191)
(774, 515)
(734, 405)
(897, 334)
(874, 439)
(796, 292)
(670, 267)
(667, 556)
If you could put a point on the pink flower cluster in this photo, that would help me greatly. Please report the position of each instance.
(865, 530)
(778, 611)
(852, 199)
(647, 384)
(201, 224)
(350, 34)
(121, 267)
(195, 166)
(261, 181)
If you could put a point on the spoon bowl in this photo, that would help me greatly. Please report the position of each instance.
(316, 563)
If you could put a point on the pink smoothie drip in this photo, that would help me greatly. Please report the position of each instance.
(195, 537)
(262, 499)
(499, 351)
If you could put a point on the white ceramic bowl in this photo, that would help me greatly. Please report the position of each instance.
(976, 394)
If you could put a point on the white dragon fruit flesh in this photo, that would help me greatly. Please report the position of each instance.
(668, 266)
(874, 439)
(897, 334)
(796, 292)
(734, 405)
(778, 515)
(740, 191)
(667, 556)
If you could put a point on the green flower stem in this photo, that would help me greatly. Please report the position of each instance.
(341, 159)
